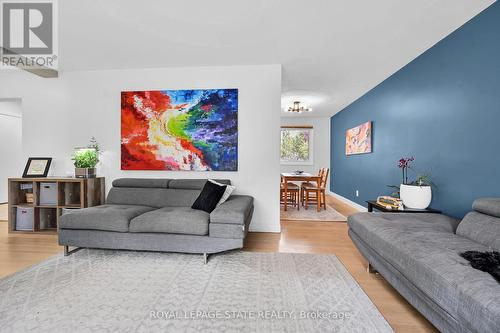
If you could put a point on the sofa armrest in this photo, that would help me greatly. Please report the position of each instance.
(234, 211)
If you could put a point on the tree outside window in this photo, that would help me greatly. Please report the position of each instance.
(296, 146)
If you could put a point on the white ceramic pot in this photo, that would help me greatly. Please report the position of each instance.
(416, 197)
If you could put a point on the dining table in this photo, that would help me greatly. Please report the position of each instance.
(298, 177)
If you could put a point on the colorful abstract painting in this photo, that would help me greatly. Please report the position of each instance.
(358, 140)
(177, 130)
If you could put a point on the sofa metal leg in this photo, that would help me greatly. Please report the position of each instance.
(371, 269)
(67, 251)
(205, 258)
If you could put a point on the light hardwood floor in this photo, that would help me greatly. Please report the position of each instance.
(20, 251)
(3, 212)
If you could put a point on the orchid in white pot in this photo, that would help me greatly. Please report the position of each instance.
(416, 194)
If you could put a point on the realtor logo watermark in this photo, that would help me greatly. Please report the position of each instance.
(29, 34)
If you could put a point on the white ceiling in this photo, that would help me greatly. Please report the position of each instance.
(332, 51)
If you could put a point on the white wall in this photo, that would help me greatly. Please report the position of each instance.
(60, 114)
(10, 143)
(321, 143)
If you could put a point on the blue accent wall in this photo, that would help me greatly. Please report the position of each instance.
(444, 109)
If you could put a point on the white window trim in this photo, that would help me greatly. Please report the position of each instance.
(310, 161)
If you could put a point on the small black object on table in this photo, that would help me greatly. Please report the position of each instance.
(374, 204)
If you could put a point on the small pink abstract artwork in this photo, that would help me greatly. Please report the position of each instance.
(358, 140)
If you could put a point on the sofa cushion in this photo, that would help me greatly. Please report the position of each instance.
(482, 228)
(424, 248)
(153, 197)
(233, 211)
(193, 184)
(142, 182)
(104, 217)
(488, 206)
(172, 220)
(156, 193)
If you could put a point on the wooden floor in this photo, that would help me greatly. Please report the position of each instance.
(3, 212)
(20, 250)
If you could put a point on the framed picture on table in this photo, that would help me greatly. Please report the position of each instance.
(37, 167)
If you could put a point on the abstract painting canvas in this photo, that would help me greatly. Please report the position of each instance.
(358, 140)
(188, 130)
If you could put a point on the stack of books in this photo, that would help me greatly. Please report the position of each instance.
(390, 202)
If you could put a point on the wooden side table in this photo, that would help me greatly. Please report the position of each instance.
(373, 204)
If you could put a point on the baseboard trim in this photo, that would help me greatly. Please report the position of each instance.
(347, 201)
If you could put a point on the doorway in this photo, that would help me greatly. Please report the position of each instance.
(10, 146)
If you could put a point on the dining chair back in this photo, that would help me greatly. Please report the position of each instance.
(318, 190)
(324, 177)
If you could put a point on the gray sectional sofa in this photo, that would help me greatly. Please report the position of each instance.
(156, 215)
(418, 254)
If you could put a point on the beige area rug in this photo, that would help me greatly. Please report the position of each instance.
(125, 291)
(311, 214)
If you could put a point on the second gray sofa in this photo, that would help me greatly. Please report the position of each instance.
(419, 255)
(156, 215)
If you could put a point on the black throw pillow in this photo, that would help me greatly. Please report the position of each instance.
(209, 197)
(488, 262)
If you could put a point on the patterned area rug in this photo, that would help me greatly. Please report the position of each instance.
(126, 291)
(312, 214)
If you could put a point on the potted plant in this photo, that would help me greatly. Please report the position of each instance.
(85, 159)
(416, 194)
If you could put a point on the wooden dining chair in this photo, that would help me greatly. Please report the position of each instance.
(293, 194)
(306, 184)
(318, 190)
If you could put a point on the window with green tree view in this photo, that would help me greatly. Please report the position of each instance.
(296, 146)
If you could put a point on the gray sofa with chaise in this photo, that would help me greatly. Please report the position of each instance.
(156, 215)
(418, 254)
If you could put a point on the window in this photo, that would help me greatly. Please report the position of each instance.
(297, 145)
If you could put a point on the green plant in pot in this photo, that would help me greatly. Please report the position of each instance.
(85, 159)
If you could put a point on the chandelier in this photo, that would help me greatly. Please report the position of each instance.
(297, 108)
